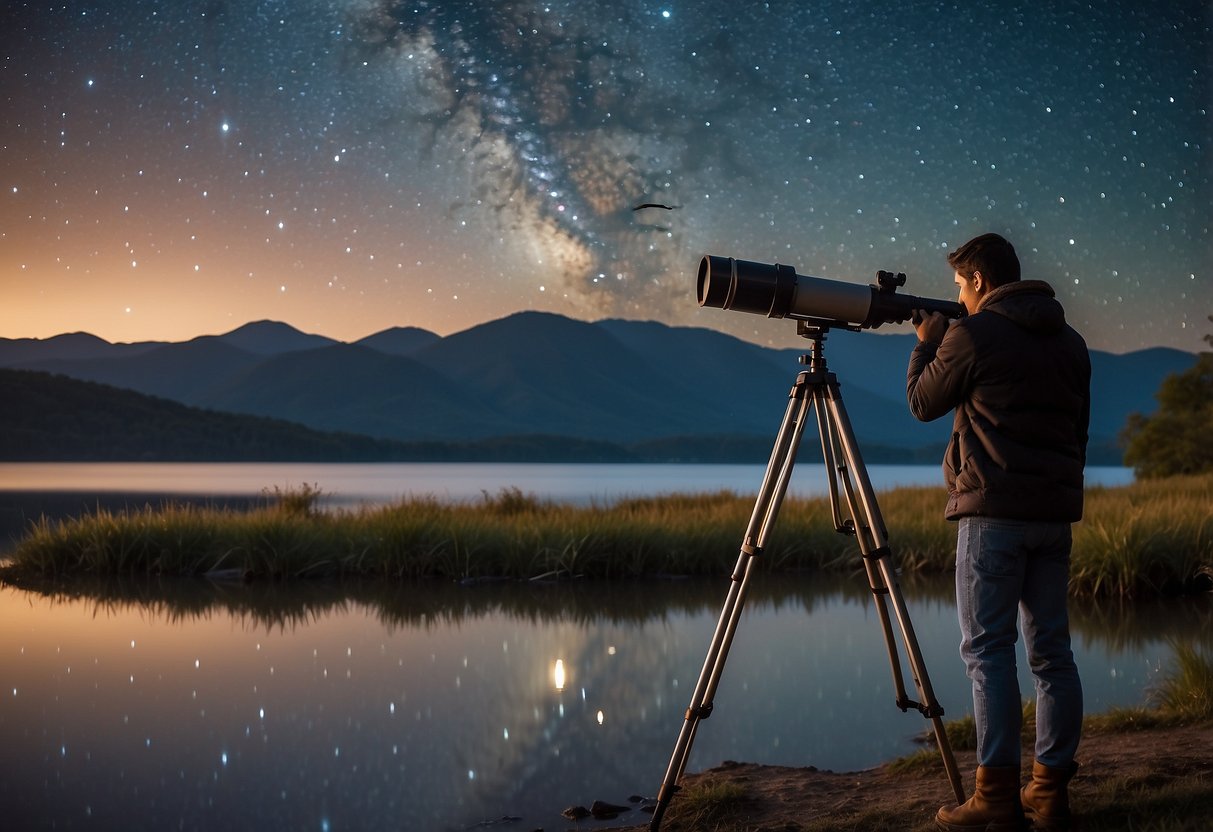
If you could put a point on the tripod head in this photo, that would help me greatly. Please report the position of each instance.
(815, 332)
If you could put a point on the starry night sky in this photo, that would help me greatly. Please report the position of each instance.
(171, 169)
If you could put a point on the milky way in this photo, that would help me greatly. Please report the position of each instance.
(170, 169)
(576, 129)
(541, 107)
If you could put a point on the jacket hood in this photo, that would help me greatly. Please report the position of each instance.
(1030, 303)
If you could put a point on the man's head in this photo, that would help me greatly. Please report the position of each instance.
(982, 264)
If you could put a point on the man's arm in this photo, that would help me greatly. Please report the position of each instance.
(937, 379)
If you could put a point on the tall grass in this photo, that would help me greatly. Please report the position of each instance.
(1145, 538)
(711, 804)
(1151, 536)
(1187, 691)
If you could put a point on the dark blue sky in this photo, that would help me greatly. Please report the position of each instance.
(173, 169)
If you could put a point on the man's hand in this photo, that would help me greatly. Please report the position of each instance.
(930, 327)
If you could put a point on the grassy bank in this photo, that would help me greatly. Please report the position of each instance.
(1145, 538)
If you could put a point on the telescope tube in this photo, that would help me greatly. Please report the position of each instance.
(777, 291)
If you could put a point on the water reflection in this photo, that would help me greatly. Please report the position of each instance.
(435, 706)
(1118, 624)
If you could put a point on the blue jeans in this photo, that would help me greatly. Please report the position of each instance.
(1005, 567)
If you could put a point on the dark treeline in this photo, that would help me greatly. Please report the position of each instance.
(53, 418)
(45, 417)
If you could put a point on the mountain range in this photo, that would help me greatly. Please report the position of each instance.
(533, 375)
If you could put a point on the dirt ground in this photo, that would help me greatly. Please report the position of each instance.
(781, 799)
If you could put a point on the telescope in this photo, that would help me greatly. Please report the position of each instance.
(779, 292)
(818, 305)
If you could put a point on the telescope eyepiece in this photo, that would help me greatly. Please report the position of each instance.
(889, 282)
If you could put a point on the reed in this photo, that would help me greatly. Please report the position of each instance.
(1151, 537)
(1187, 690)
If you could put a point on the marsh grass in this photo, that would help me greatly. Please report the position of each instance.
(710, 805)
(1187, 690)
(1147, 538)
(1183, 695)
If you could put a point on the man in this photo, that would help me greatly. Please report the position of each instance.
(1018, 378)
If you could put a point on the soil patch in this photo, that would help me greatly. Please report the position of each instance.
(783, 799)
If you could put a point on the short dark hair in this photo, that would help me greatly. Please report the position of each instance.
(990, 254)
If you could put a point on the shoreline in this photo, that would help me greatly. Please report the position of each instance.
(1157, 778)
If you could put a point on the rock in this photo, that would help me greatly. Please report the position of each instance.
(607, 811)
(576, 813)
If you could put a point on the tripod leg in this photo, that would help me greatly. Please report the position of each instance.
(766, 508)
(826, 425)
(930, 706)
(873, 543)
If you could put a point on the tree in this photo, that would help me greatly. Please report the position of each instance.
(1178, 439)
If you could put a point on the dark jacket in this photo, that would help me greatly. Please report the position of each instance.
(1019, 379)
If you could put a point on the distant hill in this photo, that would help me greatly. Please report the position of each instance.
(351, 388)
(633, 389)
(401, 340)
(54, 418)
(69, 346)
(271, 338)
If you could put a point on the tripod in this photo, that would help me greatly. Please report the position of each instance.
(818, 388)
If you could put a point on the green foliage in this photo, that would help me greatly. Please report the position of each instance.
(1178, 439)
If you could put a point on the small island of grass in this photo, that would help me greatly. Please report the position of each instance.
(1150, 537)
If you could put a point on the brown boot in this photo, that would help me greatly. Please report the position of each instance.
(1045, 799)
(994, 806)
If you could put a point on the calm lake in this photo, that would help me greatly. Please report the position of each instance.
(66, 487)
(430, 706)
